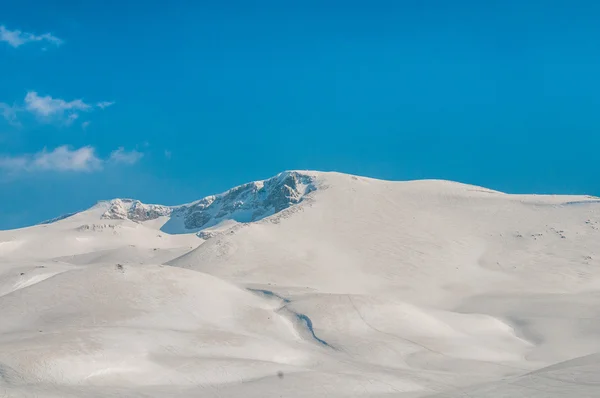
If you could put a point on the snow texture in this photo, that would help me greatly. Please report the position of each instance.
(307, 284)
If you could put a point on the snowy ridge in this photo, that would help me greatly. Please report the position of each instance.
(246, 203)
(249, 202)
(55, 219)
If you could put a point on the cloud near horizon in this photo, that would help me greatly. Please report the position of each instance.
(66, 159)
(48, 109)
(16, 38)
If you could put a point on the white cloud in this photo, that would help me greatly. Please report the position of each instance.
(66, 159)
(120, 155)
(105, 104)
(48, 109)
(48, 106)
(85, 125)
(13, 163)
(16, 38)
(61, 158)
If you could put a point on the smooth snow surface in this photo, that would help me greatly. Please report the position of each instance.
(308, 284)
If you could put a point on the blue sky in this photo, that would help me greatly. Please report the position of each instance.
(168, 102)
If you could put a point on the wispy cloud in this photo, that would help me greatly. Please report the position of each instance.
(71, 118)
(85, 125)
(65, 159)
(62, 158)
(120, 155)
(105, 104)
(48, 106)
(48, 109)
(16, 38)
(9, 113)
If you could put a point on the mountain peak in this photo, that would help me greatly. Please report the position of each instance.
(245, 203)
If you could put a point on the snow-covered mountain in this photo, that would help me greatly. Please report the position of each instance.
(307, 284)
(246, 203)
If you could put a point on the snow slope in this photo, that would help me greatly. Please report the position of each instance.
(307, 284)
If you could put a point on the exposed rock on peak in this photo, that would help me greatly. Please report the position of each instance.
(249, 202)
(122, 209)
(245, 203)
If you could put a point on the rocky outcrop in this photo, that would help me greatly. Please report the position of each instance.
(134, 210)
(248, 202)
(245, 203)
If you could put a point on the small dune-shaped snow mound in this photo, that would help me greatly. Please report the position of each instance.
(144, 317)
(578, 377)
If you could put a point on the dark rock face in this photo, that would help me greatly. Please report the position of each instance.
(196, 219)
